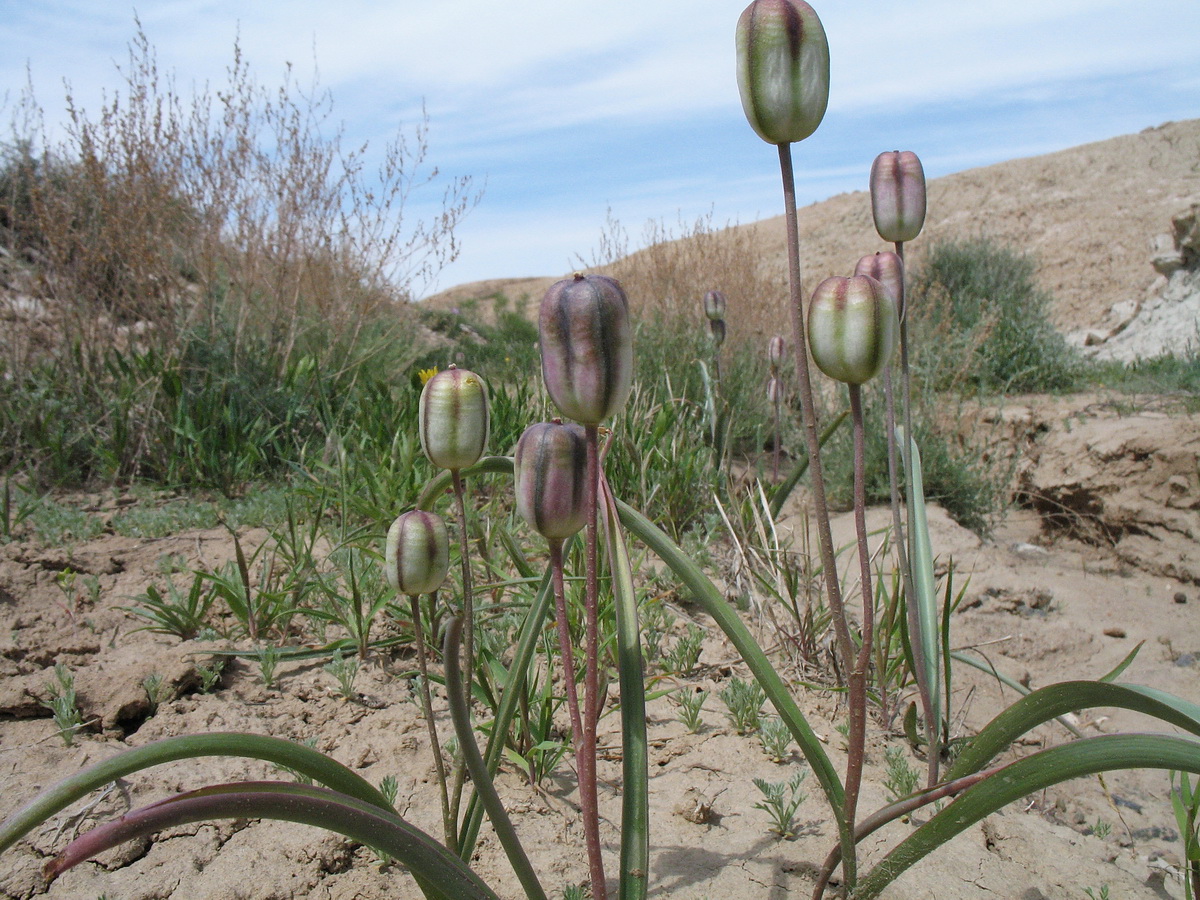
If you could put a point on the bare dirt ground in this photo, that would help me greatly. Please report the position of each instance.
(1103, 553)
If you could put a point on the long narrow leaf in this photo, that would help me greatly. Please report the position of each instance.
(920, 559)
(635, 812)
(1027, 776)
(302, 759)
(431, 863)
(1054, 700)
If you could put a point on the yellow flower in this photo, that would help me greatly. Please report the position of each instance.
(426, 374)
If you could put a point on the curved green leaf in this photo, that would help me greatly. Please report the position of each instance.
(920, 560)
(431, 863)
(302, 759)
(1055, 700)
(441, 482)
(1026, 776)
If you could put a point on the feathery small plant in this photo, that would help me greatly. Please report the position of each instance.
(268, 661)
(776, 739)
(901, 779)
(743, 702)
(685, 653)
(155, 688)
(345, 670)
(688, 704)
(781, 800)
(62, 703)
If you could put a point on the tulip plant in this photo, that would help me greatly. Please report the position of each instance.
(851, 328)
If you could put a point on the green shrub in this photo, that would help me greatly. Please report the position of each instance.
(980, 322)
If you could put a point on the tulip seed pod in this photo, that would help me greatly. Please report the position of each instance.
(717, 329)
(417, 553)
(774, 390)
(550, 466)
(852, 328)
(453, 417)
(898, 195)
(782, 69)
(587, 347)
(888, 269)
(776, 348)
(714, 305)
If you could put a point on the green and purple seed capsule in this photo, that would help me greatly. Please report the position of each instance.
(888, 269)
(715, 303)
(587, 347)
(453, 418)
(782, 69)
(776, 349)
(550, 469)
(852, 328)
(898, 195)
(417, 553)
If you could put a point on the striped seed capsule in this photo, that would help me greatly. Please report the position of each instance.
(417, 553)
(714, 305)
(852, 328)
(898, 195)
(550, 465)
(453, 418)
(776, 348)
(587, 347)
(888, 269)
(782, 69)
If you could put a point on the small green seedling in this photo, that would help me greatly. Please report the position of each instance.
(901, 779)
(683, 657)
(688, 704)
(268, 659)
(153, 685)
(776, 739)
(62, 703)
(345, 670)
(744, 700)
(780, 801)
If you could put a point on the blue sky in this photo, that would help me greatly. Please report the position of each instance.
(567, 109)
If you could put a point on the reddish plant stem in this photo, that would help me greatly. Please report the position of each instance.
(585, 763)
(591, 678)
(862, 663)
(808, 414)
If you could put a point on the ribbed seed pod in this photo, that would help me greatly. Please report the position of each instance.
(774, 390)
(776, 348)
(782, 69)
(852, 328)
(550, 465)
(898, 195)
(417, 553)
(453, 418)
(888, 269)
(717, 329)
(714, 305)
(587, 347)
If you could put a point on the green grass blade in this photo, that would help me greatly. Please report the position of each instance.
(707, 596)
(779, 497)
(431, 864)
(480, 777)
(1026, 776)
(302, 759)
(635, 811)
(1055, 700)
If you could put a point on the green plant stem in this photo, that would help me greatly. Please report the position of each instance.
(449, 828)
(808, 416)
(591, 678)
(460, 703)
(858, 675)
(468, 613)
(584, 762)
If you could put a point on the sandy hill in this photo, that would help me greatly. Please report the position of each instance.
(1090, 214)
